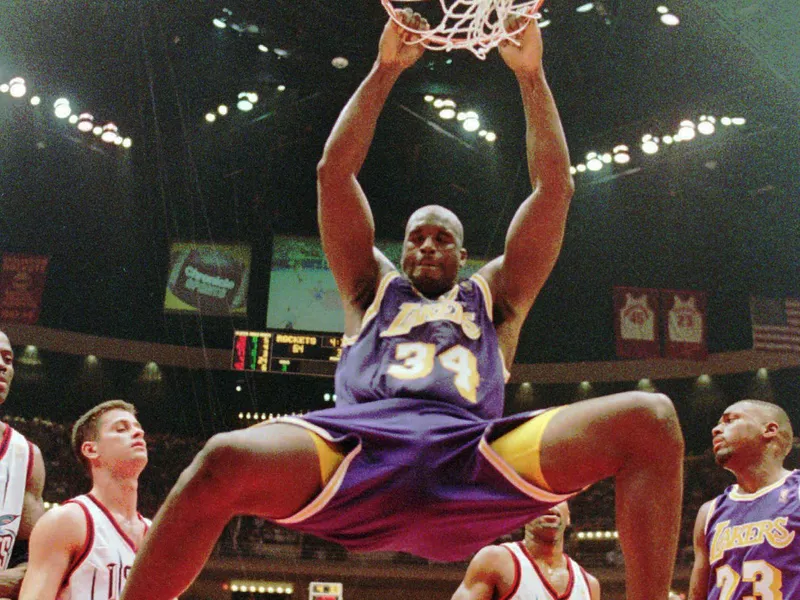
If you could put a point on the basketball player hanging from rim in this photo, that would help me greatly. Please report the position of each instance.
(415, 456)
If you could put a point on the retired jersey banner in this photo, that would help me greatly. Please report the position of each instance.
(211, 279)
(636, 322)
(22, 279)
(683, 314)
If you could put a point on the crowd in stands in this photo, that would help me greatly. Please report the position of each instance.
(248, 536)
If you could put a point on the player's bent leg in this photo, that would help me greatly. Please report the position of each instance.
(636, 438)
(271, 471)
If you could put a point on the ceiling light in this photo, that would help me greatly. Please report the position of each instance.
(281, 88)
(461, 115)
(449, 102)
(281, 52)
(584, 8)
(482, 133)
(244, 105)
(725, 121)
(706, 126)
(62, 108)
(649, 147)
(438, 103)
(85, 122)
(219, 23)
(340, 62)
(252, 96)
(621, 154)
(16, 87)
(572, 171)
(97, 130)
(662, 10)
(118, 140)
(580, 168)
(73, 119)
(222, 110)
(127, 142)
(263, 48)
(471, 124)
(606, 158)
(109, 133)
(447, 113)
(211, 117)
(738, 120)
(35, 101)
(428, 98)
(545, 23)
(686, 131)
(670, 20)
(668, 139)
(594, 164)
(491, 136)
(4, 88)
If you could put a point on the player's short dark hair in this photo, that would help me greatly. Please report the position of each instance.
(775, 413)
(85, 428)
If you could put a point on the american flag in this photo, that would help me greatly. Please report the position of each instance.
(776, 324)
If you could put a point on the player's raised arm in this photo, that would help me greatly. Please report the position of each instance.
(488, 576)
(536, 232)
(345, 218)
(698, 583)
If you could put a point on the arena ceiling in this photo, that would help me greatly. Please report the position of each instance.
(719, 213)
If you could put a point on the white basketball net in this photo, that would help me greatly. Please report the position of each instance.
(474, 25)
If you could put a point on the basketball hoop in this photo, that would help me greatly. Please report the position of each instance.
(474, 25)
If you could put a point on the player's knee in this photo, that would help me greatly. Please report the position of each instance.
(656, 415)
(213, 468)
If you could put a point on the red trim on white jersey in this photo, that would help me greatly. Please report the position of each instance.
(550, 589)
(517, 576)
(87, 543)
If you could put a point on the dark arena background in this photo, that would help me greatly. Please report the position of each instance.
(175, 262)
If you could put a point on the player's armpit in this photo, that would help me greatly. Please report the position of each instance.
(490, 573)
(698, 583)
(56, 542)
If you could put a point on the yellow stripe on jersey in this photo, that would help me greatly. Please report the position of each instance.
(483, 285)
(373, 308)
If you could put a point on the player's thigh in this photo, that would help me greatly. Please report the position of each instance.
(591, 440)
(272, 470)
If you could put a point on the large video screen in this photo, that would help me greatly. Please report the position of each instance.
(302, 291)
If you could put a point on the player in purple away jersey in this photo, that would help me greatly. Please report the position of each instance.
(745, 540)
(415, 456)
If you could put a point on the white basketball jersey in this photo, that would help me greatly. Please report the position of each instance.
(16, 464)
(530, 583)
(102, 567)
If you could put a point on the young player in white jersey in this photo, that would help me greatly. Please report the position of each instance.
(86, 547)
(533, 569)
(21, 485)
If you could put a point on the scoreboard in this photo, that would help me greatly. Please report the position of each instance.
(296, 352)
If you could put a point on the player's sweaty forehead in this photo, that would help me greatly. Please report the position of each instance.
(438, 216)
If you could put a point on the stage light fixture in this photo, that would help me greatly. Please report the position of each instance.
(670, 20)
(4, 88)
(222, 110)
(491, 136)
(593, 162)
(263, 48)
(118, 140)
(622, 154)
(244, 104)
(127, 142)
(428, 98)
(62, 108)
(281, 88)
(572, 170)
(109, 133)
(584, 8)
(581, 168)
(16, 87)
(211, 117)
(545, 23)
(686, 131)
(340, 62)
(447, 113)
(35, 100)
(706, 126)
(738, 120)
(471, 124)
(219, 23)
(482, 133)
(85, 122)
(650, 146)
(668, 139)
(725, 121)
(438, 103)
(662, 10)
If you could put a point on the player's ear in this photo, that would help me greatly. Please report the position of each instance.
(771, 430)
(89, 449)
(462, 259)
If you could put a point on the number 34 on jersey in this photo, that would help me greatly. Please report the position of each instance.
(416, 360)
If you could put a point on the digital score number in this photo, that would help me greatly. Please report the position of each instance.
(295, 352)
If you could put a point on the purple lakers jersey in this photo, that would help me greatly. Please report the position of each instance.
(752, 542)
(412, 347)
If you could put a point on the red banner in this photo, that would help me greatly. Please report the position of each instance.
(22, 279)
(636, 322)
(683, 314)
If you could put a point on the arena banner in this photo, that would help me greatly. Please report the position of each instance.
(683, 314)
(636, 322)
(211, 279)
(22, 280)
(302, 291)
